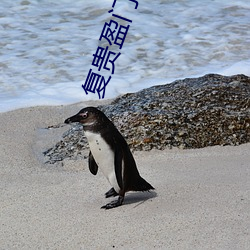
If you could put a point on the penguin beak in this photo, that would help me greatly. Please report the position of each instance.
(74, 118)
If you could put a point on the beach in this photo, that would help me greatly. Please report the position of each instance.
(201, 198)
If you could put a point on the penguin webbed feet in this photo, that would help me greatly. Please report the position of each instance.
(115, 203)
(111, 193)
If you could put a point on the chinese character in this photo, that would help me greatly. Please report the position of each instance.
(108, 33)
(92, 84)
(99, 57)
(114, 34)
(136, 3)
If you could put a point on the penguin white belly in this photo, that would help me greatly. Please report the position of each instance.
(104, 157)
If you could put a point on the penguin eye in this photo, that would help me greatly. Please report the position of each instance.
(84, 115)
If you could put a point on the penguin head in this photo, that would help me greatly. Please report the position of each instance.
(88, 117)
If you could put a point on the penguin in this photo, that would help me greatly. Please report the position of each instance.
(110, 152)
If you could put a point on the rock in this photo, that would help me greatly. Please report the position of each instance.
(190, 113)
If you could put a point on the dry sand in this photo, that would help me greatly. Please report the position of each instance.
(201, 201)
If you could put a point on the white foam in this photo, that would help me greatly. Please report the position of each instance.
(242, 67)
(47, 47)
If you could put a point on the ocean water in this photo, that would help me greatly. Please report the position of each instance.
(47, 47)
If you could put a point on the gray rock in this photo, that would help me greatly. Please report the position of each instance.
(190, 113)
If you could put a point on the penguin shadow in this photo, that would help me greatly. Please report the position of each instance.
(137, 198)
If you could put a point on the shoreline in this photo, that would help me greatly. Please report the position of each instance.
(201, 198)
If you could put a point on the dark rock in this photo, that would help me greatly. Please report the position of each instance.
(190, 113)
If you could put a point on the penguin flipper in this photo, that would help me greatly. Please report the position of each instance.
(118, 166)
(93, 167)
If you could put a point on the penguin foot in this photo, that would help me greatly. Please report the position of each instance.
(111, 193)
(113, 204)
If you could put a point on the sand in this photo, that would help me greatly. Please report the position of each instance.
(201, 200)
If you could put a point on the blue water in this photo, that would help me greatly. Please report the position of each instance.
(47, 47)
